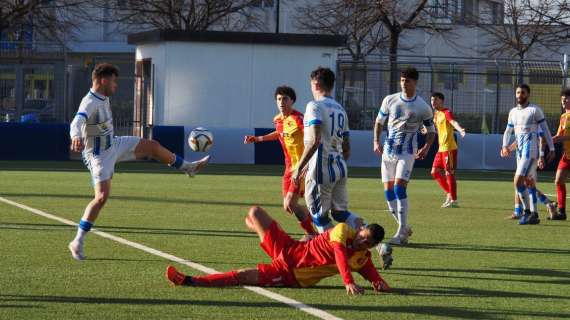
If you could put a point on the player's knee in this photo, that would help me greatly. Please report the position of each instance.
(255, 213)
(101, 198)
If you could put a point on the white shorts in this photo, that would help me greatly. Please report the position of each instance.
(102, 166)
(320, 198)
(397, 167)
(526, 167)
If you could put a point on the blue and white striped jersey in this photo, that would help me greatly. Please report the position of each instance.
(328, 162)
(96, 127)
(405, 117)
(528, 123)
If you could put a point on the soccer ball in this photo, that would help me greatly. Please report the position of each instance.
(200, 139)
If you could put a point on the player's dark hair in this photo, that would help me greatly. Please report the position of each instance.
(524, 86)
(325, 78)
(104, 70)
(438, 95)
(285, 91)
(377, 232)
(565, 92)
(410, 73)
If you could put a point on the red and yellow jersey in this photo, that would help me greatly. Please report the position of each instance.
(564, 130)
(328, 254)
(290, 129)
(442, 120)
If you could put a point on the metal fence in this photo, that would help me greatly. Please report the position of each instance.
(480, 92)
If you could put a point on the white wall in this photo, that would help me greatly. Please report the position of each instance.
(228, 85)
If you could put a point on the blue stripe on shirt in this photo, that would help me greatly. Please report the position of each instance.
(83, 114)
(97, 147)
(315, 121)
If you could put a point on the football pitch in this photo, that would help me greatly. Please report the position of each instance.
(463, 263)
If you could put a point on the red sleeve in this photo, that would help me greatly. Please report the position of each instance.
(341, 259)
(448, 115)
(369, 272)
(299, 120)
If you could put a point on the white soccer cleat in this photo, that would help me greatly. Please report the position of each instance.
(196, 166)
(399, 240)
(445, 203)
(76, 249)
(451, 204)
(385, 252)
(551, 207)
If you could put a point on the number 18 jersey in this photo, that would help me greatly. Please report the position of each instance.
(328, 162)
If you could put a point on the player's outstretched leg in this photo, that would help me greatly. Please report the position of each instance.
(152, 149)
(102, 191)
(391, 200)
(226, 279)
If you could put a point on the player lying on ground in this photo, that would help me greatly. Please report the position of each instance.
(92, 133)
(289, 131)
(300, 264)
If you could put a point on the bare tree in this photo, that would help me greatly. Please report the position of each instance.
(526, 25)
(357, 20)
(51, 20)
(190, 15)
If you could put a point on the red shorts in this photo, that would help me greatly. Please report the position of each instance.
(275, 243)
(289, 186)
(446, 160)
(564, 163)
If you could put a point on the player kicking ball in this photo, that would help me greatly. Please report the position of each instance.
(92, 134)
(525, 120)
(341, 249)
(289, 131)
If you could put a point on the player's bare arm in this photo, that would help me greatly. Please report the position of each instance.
(422, 153)
(254, 139)
(377, 147)
(458, 127)
(315, 132)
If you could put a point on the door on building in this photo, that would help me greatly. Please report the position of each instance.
(144, 106)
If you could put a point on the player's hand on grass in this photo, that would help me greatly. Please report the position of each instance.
(381, 286)
(505, 152)
(249, 139)
(353, 289)
(377, 148)
(77, 144)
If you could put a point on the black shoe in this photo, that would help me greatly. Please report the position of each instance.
(559, 216)
(533, 219)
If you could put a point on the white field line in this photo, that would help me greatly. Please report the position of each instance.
(269, 294)
(553, 195)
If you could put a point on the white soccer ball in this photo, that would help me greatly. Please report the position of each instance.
(200, 139)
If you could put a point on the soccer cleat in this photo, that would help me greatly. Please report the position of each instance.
(398, 240)
(533, 219)
(176, 277)
(196, 166)
(76, 249)
(451, 204)
(385, 252)
(559, 216)
(551, 207)
(445, 203)
(524, 218)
